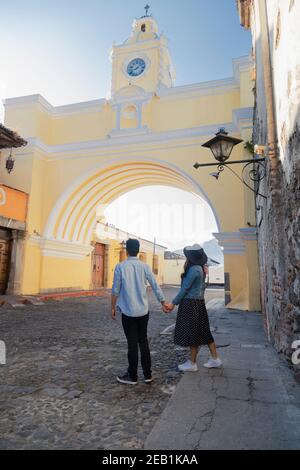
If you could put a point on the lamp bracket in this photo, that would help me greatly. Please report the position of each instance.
(256, 174)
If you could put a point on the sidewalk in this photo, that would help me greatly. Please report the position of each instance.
(17, 301)
(253, 402)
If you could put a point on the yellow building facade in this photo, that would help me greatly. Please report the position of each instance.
(83, 156)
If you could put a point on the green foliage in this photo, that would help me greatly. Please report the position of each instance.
(249, 146)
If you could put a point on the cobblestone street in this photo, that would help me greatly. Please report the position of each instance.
(58, 389)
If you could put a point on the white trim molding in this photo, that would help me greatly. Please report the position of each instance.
(136, 131)
(243, 118)
(61, 249)
(130, 93)
(71, 250)
(85, 107)
(28, 100)
(233, 243)
(241, 65)
(249, 233)
(230, 242)
(139, 46)
(214, 87)
(126, 137)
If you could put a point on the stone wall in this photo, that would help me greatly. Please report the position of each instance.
(278, 217)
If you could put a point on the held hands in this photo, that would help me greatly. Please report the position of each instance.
(168, 307)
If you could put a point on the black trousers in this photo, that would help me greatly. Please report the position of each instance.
(135, 329)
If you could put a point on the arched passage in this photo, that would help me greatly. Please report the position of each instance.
(73, 217)
(69, 234)
(66, 242)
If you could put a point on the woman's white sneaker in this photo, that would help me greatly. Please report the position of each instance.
(188, 366)
(211, 363)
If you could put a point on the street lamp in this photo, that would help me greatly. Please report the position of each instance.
(10, 163)
(221, 147)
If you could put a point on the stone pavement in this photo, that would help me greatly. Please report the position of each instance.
(252, 402)
(58, 389)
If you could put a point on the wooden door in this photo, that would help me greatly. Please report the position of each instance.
(5, 250)
(98, 266)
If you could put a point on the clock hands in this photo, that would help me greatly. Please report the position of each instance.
(136, 67)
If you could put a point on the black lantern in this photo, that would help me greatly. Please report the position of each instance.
(221, 145)
(10, 163)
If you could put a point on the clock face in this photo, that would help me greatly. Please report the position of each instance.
(136, 67)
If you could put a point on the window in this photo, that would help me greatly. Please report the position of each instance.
(143, 28)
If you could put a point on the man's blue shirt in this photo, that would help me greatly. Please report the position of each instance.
(130, 286)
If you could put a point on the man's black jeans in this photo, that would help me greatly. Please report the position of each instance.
(135, 329)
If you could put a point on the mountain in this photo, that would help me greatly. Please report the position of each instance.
(213, 250)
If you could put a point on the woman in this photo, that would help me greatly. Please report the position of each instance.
(192, 324)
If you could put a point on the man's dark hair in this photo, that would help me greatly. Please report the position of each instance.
(132, 246)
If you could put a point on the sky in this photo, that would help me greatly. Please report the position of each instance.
(175, 218)
(60, 49)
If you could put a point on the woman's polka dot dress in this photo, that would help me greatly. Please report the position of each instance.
(192, 324)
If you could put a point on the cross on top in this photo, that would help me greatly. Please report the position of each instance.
(147, 7)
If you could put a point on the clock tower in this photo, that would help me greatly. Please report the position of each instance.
(143, 60)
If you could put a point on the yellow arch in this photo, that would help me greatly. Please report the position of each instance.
(74, 215)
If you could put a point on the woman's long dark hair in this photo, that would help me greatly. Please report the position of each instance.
(188, 264)
(186, 267)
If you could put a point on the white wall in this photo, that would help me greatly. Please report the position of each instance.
(216, 275)
(172, 271)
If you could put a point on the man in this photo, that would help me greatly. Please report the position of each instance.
(129, 297)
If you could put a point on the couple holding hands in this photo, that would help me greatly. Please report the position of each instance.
(129, 298)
